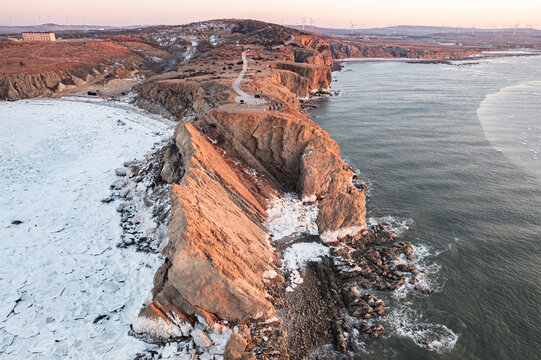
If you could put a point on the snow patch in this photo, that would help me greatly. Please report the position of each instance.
(309, 199)
(330, 236)
(290, 216)
(156, 327)
(269, 274)
(297, 255)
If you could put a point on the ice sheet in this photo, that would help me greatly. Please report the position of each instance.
(61, 269)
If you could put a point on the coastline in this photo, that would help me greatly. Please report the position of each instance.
(494, 201)
(239, 279)
(228, 161)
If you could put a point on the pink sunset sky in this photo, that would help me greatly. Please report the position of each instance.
(325, 13)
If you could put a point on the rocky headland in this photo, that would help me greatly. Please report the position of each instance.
(267, 252)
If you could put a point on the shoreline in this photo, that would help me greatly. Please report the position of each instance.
(482, 56)
(216, 173)
(238, 276)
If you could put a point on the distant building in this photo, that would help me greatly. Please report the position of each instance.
(39, 36)
(447, 43)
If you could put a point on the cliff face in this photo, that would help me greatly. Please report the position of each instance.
(321, 50)
(31, 69)
(310, 77)
(352, 49)
(295, 150)
(218, 246)
(17, 86)
(21, 86)
(227, 163)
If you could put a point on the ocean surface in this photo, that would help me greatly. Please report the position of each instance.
(451, 156)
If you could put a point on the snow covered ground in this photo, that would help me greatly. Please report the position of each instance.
(288, 216)
(66, 290)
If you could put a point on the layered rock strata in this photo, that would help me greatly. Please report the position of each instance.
(229, 161)
(223, 277)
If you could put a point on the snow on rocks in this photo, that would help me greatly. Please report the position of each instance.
(185, 341)
(297, 255)
(144, 206)
(61, 268)
(290, 216)
(158, 328)
(329, 237)
(201, 339)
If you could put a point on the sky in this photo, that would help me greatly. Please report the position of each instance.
(325, 13)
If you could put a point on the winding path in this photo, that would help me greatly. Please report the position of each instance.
(248, 99)
(290, 40)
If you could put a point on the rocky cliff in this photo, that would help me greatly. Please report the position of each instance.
(32, 69)
(228, 165)
(17, 86)
(253, 185)
(218, 248)
(310, 78)
(357, 50)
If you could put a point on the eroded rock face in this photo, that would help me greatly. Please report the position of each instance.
(218, 246)
(31, 69)
(317, 76)
(305, 159)
(352, 49)
(226, 162)
(21, 86)
(234, 161)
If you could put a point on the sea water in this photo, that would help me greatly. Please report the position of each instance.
(451, 154)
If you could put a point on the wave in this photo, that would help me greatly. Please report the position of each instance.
(404, 320)
(397, 225)
(409, 323)
(427, 279)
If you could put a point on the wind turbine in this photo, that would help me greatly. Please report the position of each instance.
(311, 22)
(352, 26)
(11, 18)
(515, 29)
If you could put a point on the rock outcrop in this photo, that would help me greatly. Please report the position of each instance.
(222, 276)
(16, 86)
(318, 77)
(32, 69)
(358, 50)
(234, 159)
(295, 150)
(218, 246)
